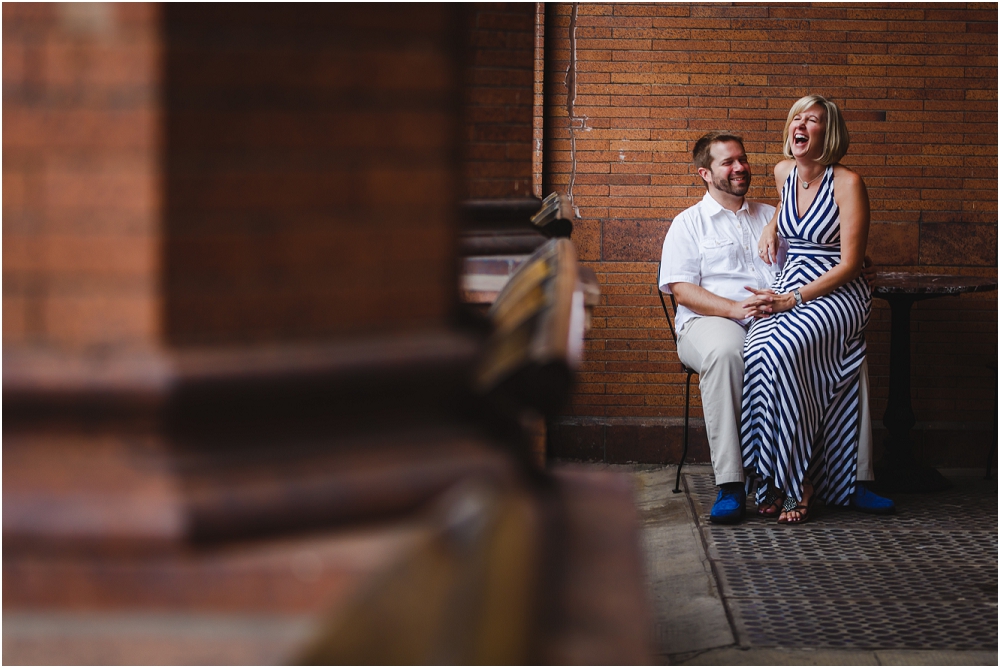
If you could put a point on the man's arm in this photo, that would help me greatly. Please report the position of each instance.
(703, 302)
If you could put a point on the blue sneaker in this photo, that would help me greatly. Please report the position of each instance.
(730, 505)
(866, 501)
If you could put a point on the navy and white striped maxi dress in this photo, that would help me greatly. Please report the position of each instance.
(800, 386)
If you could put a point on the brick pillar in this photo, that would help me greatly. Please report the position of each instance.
(81, 190)
(209, 209)
(311, 171)
(185, 175)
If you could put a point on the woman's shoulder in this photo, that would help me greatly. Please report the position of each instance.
(848, 186)
(783, 169)
(846, 177)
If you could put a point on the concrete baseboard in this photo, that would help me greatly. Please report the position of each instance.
(660, 441)
(627, 440)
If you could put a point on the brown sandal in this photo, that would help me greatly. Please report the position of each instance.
(801, 507)
(770, 505)
(803, 512)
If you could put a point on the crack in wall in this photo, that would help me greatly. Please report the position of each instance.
(575, 122)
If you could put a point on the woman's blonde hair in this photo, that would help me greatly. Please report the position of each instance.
(837, 138)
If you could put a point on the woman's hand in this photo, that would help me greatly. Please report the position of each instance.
(767, 302)
(767, 246)
(758, 305)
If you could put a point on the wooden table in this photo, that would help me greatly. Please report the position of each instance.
(898, 470)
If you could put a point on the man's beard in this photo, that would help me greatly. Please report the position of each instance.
(728, 187)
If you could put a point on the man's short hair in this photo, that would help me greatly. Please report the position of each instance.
(837, 138)
(703, 147)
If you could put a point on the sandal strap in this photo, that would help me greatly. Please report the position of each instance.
(771, 496)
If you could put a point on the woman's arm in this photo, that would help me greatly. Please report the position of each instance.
(767, 245)
(852, 198)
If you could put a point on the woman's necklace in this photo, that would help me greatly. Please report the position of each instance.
(805, 184)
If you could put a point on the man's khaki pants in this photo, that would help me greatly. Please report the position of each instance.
(713, 347)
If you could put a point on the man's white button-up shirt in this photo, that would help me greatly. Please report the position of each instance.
(713, 247)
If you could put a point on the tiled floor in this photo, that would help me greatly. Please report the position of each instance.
(923, 579)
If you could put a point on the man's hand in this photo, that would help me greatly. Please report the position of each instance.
(769, 302)
(758, 305)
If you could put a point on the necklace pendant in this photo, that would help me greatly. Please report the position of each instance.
(805, 185)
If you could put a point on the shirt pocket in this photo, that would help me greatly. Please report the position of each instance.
(717, 247)
(720, 254)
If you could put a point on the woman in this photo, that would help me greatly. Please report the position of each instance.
(800, 392)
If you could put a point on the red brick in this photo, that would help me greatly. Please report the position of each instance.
(681, 44)
(651, 10)
(894, 244)
(119, 185)
(15, 63)
(16, 187)
(75, 320)
(61, 129)
(935, 15)
(64, 64)
(988, 28)
(505, 172)
(17, 326)
(616, 21)
(24, 16)
(92, 256)
(883, 13)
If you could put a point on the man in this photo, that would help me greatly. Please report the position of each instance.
(709, 257)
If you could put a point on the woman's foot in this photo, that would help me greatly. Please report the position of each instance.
(772, 502)
(797, 513)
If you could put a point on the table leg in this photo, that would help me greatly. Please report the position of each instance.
(898, 470)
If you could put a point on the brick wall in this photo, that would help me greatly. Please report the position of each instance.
(498, 100)
(312, 170)
(189, 174)
(81, 190)
(631, 87)
(199, 175)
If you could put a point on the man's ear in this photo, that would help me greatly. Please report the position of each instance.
(705, 174)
